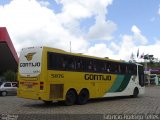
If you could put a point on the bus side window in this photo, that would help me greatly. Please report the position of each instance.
(78, 63)
(103, 67)
(123, 68)
(106, 67)
(71, 65)
(132, 69)
(55, 59)
(119, 68)
(95, 65)
(90, 66)
(49, 57)
(52, 61)
(100, 66)
(116, 68)
(63, 63)
(112, 68)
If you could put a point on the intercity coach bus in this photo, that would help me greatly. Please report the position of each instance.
(51, 74)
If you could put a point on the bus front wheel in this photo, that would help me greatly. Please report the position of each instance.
(135, 92)
(83, 97)
(70, 98)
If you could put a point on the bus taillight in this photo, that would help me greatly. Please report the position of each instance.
(41, 85)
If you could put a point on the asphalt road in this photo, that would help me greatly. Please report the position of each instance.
(18, 108)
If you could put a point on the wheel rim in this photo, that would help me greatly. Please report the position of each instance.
(4, 93)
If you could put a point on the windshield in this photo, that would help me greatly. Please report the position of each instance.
(30, 61)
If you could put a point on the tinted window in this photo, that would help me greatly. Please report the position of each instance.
(57, 61)
(7, 85)
(141, 75)
(132, 69)
(1, 83)
(123, 68)
(14, 85)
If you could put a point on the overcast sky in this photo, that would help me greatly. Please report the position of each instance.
(104, 28)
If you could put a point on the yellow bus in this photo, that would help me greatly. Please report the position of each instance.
(51, 74)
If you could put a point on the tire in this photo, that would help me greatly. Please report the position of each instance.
(4, 93)
(135, 93)
(70, 98)
(83, 97)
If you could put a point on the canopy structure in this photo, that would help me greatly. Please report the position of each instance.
(8, 55)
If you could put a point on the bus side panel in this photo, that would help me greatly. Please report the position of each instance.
(61, 81)
(121, 89)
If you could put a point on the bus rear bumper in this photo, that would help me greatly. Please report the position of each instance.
(36, 96)
(31, 95)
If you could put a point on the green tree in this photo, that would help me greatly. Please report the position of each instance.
(151, 61)
(150, 58)
(10, 76)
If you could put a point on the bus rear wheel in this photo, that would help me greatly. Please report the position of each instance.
(83, 97)
(70, 98)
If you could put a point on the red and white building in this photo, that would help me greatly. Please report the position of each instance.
(8, 55)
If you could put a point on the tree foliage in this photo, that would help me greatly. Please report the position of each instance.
(10, 76)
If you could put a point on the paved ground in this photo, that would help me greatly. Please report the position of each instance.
(148, 103)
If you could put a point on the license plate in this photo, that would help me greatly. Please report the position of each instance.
(29, 86)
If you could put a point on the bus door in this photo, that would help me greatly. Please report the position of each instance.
(141, 76)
